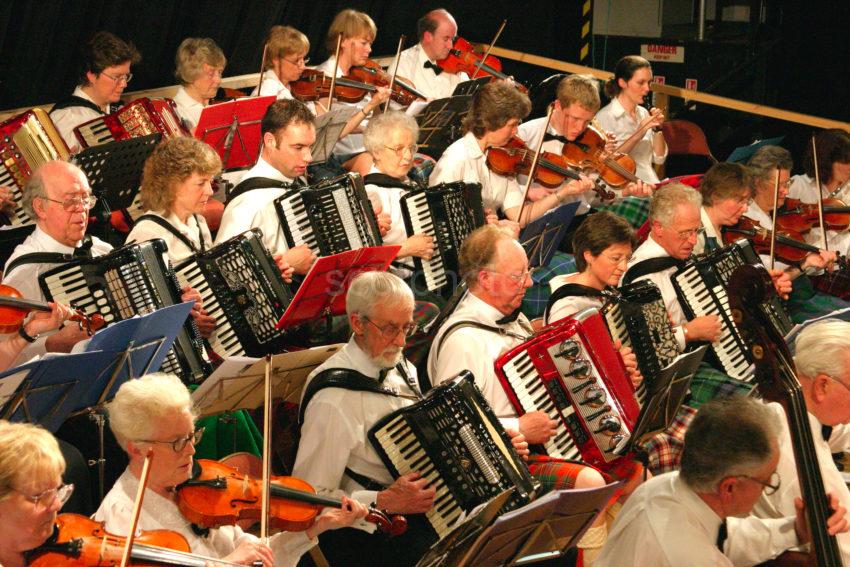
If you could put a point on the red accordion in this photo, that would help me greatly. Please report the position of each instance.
(27, 141)
(571, 371)
(141, 117)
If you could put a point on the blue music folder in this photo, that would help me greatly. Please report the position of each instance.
(542, 237)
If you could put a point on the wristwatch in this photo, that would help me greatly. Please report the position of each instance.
(24, 335)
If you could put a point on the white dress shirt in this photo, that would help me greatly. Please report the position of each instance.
(763, 218)
(255, 209)
(476, 350)
(336, 423)
(194, 229)
(707, 231)
(188, 109)
(781, 503)
(569, 305)
(411, 66)
(614, 119)
(464, 161)
(159, 513)
(803, 188)
(352, 143)
(389, 198)
(666, 524)
(651, 249)
(66, 119)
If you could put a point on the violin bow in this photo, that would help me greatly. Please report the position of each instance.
(489, 48)
(820, 193)
(262, 69)
(267, 431)
(395, 72)
(137, 509)
(534, 159)
(336, 68)
(773, 232)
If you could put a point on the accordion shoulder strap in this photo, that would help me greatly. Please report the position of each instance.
(39, 258)
(650, 266)
(72, 101)
(476, 324)
(156, 219)
(255, 183)
(569, 290)
(340, 378)
(384, 180)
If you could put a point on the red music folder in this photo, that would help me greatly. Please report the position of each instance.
(233, 129)
(324, 288)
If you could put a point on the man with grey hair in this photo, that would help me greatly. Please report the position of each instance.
(342, 399)
(822, 358)
(698, 516)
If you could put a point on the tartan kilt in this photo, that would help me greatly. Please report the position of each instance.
(664, 450)
(554, 474)
(634, 209)
(709, 383)
(536, 297)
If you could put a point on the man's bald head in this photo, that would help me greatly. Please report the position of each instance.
(437, 30)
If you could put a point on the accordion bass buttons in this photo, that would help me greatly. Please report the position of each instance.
(609, 424)
(594, 396)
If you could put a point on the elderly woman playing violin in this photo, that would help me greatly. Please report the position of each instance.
(31, 489)
(155, 413)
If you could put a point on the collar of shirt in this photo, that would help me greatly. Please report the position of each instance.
(708, 226)
(755, 212)
(264, 169)
(189, 229)
(422, 57)
(473, 150)
(271, 85)
(182, 98)
(82, 94)
(328, 66)
(617, 109)
(47, 243)
(486, 312)
(649, 249)
(707, 518)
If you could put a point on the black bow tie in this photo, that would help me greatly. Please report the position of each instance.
(434, 67)
(382, 375)
(509, 318)
(722, 534)
(547, 136)
(84, 249)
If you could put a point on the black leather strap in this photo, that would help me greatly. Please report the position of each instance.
(650, 266)
(345, 378)
(73, 100)
(257, 183)
(173, 230)
(569, 290)
(39, 258)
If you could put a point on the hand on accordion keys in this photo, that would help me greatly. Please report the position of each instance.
(301, 258)
(409, 494)
(286, 270)
(537, 427)
(419, 245)
(384, 220)
(205, 323)
(630, 362)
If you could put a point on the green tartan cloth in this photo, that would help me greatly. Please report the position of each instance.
(228, 433)
(634, 209)
(536, 297)
(806, 303)
(709, 383)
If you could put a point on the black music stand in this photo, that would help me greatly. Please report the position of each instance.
(324, 287)
(470, 87)
(329, 126)
(222, 125)
(440, 124)
(114, 171)
(541, 238)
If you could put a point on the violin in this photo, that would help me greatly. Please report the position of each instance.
(219, 495)
(790, 245)
(313, 85)
(462, 58)
(799, 216)
(552, 169)
(586, 153)
(78, 541)
(371, 73)
(14, 309)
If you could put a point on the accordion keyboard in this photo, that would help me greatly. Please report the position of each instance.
(421, 222)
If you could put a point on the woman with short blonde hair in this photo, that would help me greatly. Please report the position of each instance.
(199, 63)
(286, 59)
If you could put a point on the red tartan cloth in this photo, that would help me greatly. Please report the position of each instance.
(664, 451)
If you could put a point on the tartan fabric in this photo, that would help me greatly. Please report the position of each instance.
(228, 433)
(664, 450)
(554, 474)
(709, 383)
(806, 303)
(536, 297)
(634, 209)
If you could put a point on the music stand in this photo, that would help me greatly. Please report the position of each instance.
(324, 287)
(541, 238)
(114, 172)
(238, 382)
(233, 129)
(440, 124)
(329, 127)
(470, 87)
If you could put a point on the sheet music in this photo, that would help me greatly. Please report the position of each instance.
(10, 384)
(329, 126)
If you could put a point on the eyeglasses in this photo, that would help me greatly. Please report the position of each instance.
(74, 203)
(125, 78)
(45, 499)
(298, 62)
(390, 332)
(179, 444)
(399, 150)
(769, 487)
(617, 260)
(691, 232)
(518, 279)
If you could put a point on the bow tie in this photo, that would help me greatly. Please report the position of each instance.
(509, 318)
(722, 535)
(84, 249)
(434, 67)
(547, 136)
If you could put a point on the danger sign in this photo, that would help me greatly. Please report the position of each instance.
(663, 53)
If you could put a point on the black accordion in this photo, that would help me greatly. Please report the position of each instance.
(241, 287)
(448, 212)
(637, 317)
(331, 217)
(133, 280)
(701, 287)
(453, 439)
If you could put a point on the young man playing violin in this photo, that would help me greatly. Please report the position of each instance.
(436, 30)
